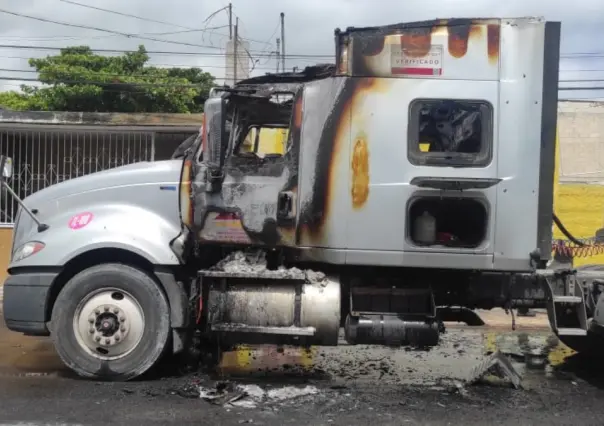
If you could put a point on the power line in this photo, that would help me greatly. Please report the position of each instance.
(114, 12)
(582, 88)
(598, 99)
(197, 85)
(67, 24)
(153, 52)
(104, 83)
(583, 53)
(67, 37)
(256, 53)
(581, 70)
(224, 67)
(125, 14)
(102, 74)
(159, 65)
(582, 81)
(582, 56)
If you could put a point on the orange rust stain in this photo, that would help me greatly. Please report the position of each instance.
(298, 113)
(493, 32)
(459, 36)
(416, 42)
(360, 172)
(341, 137)
(186, 204)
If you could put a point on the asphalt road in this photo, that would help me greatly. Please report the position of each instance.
(340, 386)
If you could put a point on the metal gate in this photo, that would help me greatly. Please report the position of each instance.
(44, 157)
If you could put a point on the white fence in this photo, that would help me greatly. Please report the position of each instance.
(44, 157)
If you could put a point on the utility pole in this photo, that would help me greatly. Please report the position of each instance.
(282, 41)
(278, 54)
(230, 21)
(235, 47)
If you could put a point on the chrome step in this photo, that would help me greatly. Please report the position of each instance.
(572, 332)
(242, 328)
(568, 299)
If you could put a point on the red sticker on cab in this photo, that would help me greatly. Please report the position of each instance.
(80, 220)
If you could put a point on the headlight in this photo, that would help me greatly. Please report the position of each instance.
(26, 250)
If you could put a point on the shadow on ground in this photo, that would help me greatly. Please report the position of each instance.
(585, 367)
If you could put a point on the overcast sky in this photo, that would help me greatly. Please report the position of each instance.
(309, 26)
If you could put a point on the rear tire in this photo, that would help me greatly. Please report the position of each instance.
(111, 322)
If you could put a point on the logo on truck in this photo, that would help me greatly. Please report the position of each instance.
(80, 220)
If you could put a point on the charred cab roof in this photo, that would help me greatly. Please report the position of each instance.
(439, 22)
(275, 83)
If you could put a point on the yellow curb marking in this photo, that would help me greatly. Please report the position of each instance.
(556, 351)
(247, 358)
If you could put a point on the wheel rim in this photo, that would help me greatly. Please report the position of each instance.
(109, 323)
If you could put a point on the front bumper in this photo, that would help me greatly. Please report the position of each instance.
(25, 302)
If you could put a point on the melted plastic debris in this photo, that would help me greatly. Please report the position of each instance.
(250, 396)
(497, 365)
(254, 263)
(291, 392)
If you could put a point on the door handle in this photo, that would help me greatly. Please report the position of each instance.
(286, 206)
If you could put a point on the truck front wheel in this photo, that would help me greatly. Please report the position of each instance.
(111, 322)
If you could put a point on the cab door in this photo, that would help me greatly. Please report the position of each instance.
(256, 175)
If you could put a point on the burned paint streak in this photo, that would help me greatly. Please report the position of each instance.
(267, 235)
(186, 205)
(493, 35)
(459, 36)
(297, 114)
(372, 45)
(244, 210)
(335, 132)
(313, 214)
(416, 39)
(460, 32)
(292, 154)
(416, 42)
(359, 166)
(342, 52)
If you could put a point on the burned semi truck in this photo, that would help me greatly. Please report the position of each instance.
(417, 173)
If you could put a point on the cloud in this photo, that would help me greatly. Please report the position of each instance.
(309, 27)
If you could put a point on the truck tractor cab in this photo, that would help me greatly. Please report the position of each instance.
(379, 194)
(397, 156)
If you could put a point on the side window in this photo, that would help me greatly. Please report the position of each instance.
(450, 133)
(263, 142)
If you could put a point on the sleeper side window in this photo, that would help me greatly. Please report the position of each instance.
(445, 132)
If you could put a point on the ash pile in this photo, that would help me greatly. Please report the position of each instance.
(254, 263)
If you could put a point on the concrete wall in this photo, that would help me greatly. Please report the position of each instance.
(581, 136)
(580, 201)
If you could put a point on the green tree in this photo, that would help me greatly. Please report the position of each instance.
(79, 80)
(14, 100)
